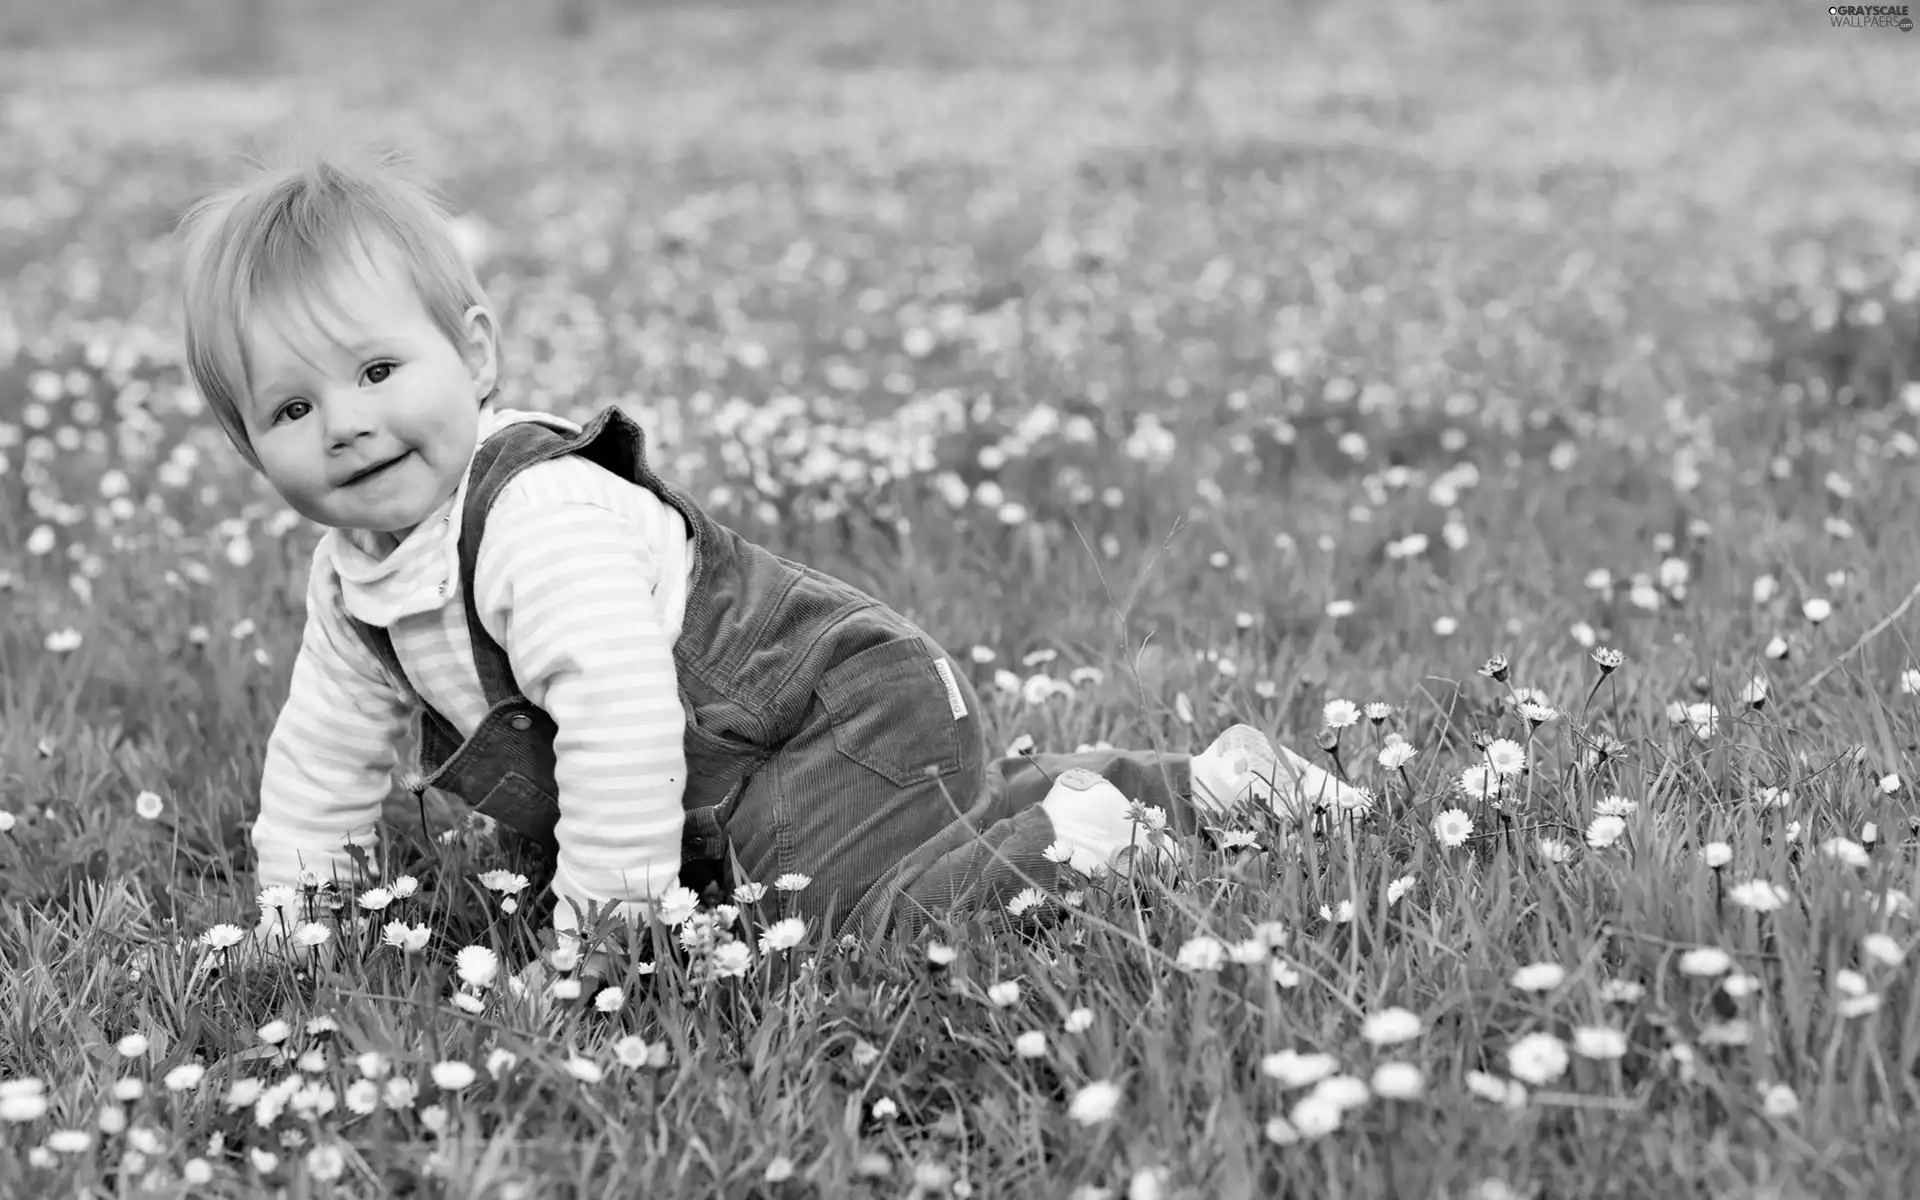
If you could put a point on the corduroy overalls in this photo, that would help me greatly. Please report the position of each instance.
(826, 734)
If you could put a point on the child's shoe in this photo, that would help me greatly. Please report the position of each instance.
(1091, 817)
(1242, 767)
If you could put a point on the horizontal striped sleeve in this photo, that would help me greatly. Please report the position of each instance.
(566, 583)
(330, 757)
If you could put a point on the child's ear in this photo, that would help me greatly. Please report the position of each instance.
(482, 350)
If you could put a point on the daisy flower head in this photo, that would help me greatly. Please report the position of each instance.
(278, 898)
(1552, 850)
(1452, 828)
(1537, 1058)
(1343, 1091)
(1396, 754)
(1539, 977)
(1095, 1103)
(1495, 668)
(1779, 1101)
(453, 1075)
(1740, 985)
(1604, 748)
(1201, 954)
(1705, 962)
(408, 939)
(1703, 719)
(1358, 801)
(1480, 782)
(1025, 901)
(1378, 711)
(1845, 851)
(1758, 895)
(1605, 831)
(631, 1050)
(678, 904)
(1391, 1026)
(784, 934)
(1294, 1069)
(1883, 949)
(731, 960)
(1340, 714)
(1495, 1090)
(1537, 715)
(1315, 1116)
(1599, 1042)
(223, 936)
(1622, 991)
(1397, 1081)
(477, 965)
(1150, 817)
(507, 883)
(185, 1077)
(1506, 757)
(1607, 659)
(585, 1070)
(23, 1100)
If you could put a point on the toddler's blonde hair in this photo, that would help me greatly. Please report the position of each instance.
(276, 242)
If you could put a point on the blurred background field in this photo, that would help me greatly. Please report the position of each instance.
(1339, 346)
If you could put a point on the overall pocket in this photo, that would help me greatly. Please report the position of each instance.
(890, 713)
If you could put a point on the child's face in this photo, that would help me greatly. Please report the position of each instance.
(370, 422)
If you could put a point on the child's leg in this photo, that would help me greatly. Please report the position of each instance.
(880, 767)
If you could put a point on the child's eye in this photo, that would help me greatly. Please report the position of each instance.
(293, 410)
(378, 372)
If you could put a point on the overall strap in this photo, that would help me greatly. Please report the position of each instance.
(380, 643)
(499, 459)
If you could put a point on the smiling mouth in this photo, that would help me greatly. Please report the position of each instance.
(370, 472)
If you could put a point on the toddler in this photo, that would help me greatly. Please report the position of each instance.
(595, 662)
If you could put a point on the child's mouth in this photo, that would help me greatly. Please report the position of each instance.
(375, 471)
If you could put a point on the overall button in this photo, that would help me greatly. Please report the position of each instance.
(521, 721)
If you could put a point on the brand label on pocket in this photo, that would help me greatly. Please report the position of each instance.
(955, 700)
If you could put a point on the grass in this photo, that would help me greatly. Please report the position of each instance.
(1329, 382)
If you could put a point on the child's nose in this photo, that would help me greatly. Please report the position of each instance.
(349, 418)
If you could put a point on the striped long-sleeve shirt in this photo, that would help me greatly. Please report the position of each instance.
(582, 578)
